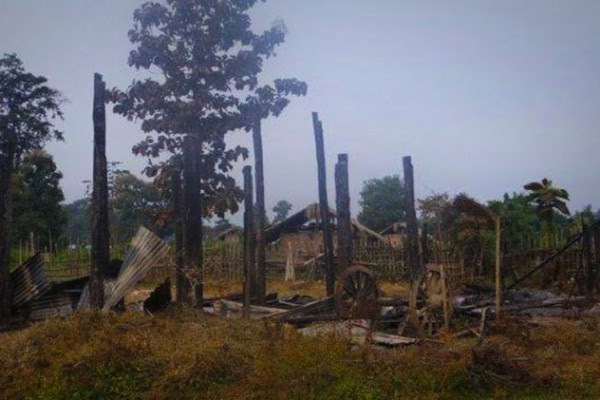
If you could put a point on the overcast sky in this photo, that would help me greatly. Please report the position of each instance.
(485, 96)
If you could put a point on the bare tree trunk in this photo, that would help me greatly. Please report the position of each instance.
(324, 205)
(344, 228)
(6, 170)
(261, 287)
(100, 255)
(193, 216)
(181, 281)
(249, 242)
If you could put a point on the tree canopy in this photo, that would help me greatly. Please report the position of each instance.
(282, 210)
(205, 61)
(382, 202)
(37, 198)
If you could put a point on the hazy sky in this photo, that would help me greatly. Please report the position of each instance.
(485, 96)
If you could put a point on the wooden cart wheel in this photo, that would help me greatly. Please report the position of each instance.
(356, 294)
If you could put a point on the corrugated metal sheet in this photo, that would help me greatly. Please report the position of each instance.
(29, 281)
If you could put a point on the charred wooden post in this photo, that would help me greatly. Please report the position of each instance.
(586, 243)
(100, 254)
(324, 205)
(181, 282)
(412, 241)
(497, 223)
(7, 156)
(192, 216)
(597, 256)
(261, 273)
(344, 228)
(249, 242)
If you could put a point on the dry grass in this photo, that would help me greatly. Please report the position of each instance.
(187, 354)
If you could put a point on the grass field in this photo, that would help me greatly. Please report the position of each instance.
(186, 354)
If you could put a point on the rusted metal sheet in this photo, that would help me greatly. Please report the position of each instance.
(29, 281)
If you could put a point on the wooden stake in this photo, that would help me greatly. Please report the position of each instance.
(498, 268)
(587, 261)
(344, 228)
(597, 256)
(324, 205)
(100, 253)
(249, 243)
(445, 297)
(261, 273)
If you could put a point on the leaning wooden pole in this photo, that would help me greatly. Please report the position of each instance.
(497, 222)
(100, 253)
(324, 205)
(414, 262)
(261, 262)
(181, 281)
(342, 203)
(249, 243)
(192, 220)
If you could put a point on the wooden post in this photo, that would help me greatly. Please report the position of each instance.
(100, 254)
(181, 281)
(412, 247)
(249, 243)
(424, 245)
(193, 215)
(498, 268)
(597, 257)
(344, 228)
(324, 205)
(261, 287)
(587, 261)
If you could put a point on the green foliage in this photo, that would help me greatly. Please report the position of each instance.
(282, 210)
(36, 199)
(382, 202)
(208, 59)
(134, 203)
(519, 220)
(547, 198)
(77, 229)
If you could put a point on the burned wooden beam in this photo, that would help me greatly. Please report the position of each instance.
(100, 254)
(324, 205)
(344, 227)
(249, 242)
(261, 277)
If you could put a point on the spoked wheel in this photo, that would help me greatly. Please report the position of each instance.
(356, 294)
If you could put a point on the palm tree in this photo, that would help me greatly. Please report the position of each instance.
(547, 198)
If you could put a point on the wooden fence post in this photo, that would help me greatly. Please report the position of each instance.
(498, 268)
(261, 273)
(324, 205)
(344, 228)
(424, 245)
(587, 261)
(100, 254)
(597, 256)
(249, 243)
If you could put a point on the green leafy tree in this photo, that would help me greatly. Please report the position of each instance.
(135, 203)
(28, 109)
(282, 210)
(77, 229)
(519, 221)
(208, 61)
(382, 202)
(548, 199)
(37, 198)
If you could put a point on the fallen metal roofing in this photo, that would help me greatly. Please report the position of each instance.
(29, 281)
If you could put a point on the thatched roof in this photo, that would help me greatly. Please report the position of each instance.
(396, 227)
(310, 213)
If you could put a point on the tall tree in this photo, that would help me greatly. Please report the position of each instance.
(208, 60)
(282, 210)
(382, 202)
(37, 198)
(28, 110)
(548, 198)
